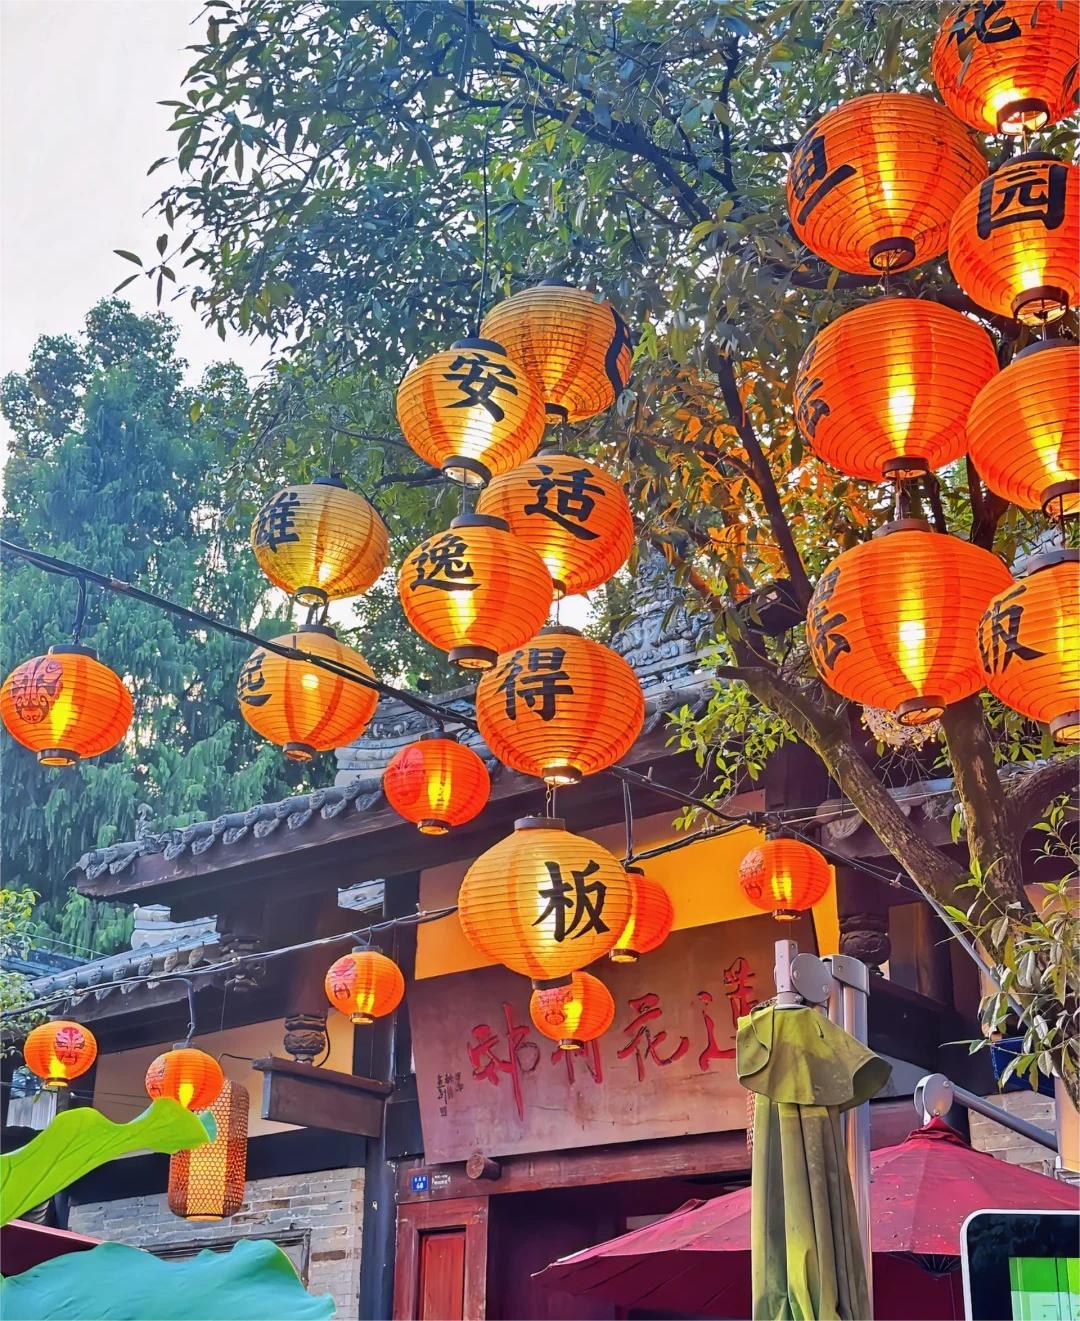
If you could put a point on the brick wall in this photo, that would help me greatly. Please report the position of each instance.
(318, 1217)
(989, 1136)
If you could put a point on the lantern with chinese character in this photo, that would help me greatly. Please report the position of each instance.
(58, 1052)
(649, 924)
(784, 877)
(472, 411)
(207, 1182)
(1014, 238)
(544, 902)
(1008, 66)
(560, 707)
(873, 185)
(301, 706)
(885, 389)
(575, 345)
(1024, 429)
(65, 706)
(437, 783)
(892, 621)
(475, 590)
(320, 542)
(186, 1075)
(573, 1012)
(1029, 644)
(365, 985)
(571, 513)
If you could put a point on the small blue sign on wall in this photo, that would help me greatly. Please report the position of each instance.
(421, 1183)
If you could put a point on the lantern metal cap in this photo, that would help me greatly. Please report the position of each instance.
(433, 826)
(540, 823)
(559, 774)
(891, 254)
(474, 342)
(553, 283)
(466, 471)
(333, 479)
(549, 629)
(1026, 156)
(472, 657)
(1058, 495)
(480, 520)
(571, 1043)
(72, 649)
(785, 914)
(552, 983)
(905, 525)
(1047, 560)
(327, 630)
(905, 465)
(1065, 728)
(1040, 345)
(1040, 304)
(1027, 114)
(618, 955)
(634, 869)
(557, 411)
(58, 757)
(298, 751)
(919, 710)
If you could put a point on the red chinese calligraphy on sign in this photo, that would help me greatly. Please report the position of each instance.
(488, 1065)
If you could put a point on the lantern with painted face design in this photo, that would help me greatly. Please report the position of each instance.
(58, 1052)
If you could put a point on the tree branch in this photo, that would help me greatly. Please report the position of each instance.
(1037, 788)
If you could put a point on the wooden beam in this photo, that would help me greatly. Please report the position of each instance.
(321, 1098)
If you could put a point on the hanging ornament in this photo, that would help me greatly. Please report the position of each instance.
(575, 516)
(649, 924)
(320, 542)
(560, 707)
(365, 985)
(892, 621)
(887, 730)
(207, 1183)
(784, 877)
(576, 346)
(873, 185)
(437, 783)
(58, 1052)
(884, 390)
(186, 1075)
(572, 1013)
(544, 902)
(475, 590)
(65, 706)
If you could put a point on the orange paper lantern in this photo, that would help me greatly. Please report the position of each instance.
(437, 783)
(885, 389)
(186, 1075)
(576, 346)
(560, 707)
(207, 1182)
(59, 1051)
(873, 185)
(574, 1012)
(366, 985)
(649, 924)
(784, 877)
(892, 621)
(544, 902)
(65, 706)
(475, 590)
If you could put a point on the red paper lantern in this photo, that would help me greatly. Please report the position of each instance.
(649, 924)
(437, 783)
(366, 985)
(186, 1075)
(65, 706)
(784, 877)
(59, 1051)
(572, 1012)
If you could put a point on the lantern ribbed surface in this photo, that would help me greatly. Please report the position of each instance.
(1024, 429)
(364, 985)
(302, 708)
(1014, 239)
(649, 923)
(571, 512)
(873, 185)
(59, 1051)
(475, 590)
(573, 1014)
(65, 706)
(474, 411)
(892, 621)
(560, 707)
(320, 541)
(544, 902)
(1008, 65)
(207, 1182)
(784, 877)
(578, 349)
(186, 1075)
(885, 389)
(436, 783)
(1029, 645)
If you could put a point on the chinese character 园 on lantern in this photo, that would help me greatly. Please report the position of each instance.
(186, 1075)
(207, 1182)
(784, 877)
(59, 1051)
(65, 706)
(649, 924)
(437, 783)
(572, 1012)
(364, 985)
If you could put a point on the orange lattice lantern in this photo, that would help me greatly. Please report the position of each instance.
(884, 390)
(560, 707)
(207, 1182)
(575, 516)
(873, 185)
(1008, 66)
(1024, 429)
(784, 877)
(473, 411)
(576, 346)
(437, 783)
(58, 1052)
(65, 706)
(649, 924)
(475, 590)
(320, 541)
(892, 621)
(572, 1012)
(186, 1075)
(1029, 644)
(1014, 238)
(365, 985)
(544, 902)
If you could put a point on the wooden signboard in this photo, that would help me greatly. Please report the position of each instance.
(488, 1081)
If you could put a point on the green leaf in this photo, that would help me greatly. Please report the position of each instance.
(128, 256)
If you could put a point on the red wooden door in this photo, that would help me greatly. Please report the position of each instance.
(441, 1296)
(441, 1268)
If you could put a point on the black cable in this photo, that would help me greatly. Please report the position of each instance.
(484, 258)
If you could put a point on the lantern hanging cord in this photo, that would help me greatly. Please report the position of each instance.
(484, 253)
(628, 820)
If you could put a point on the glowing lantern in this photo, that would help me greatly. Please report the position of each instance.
(437, 784)
(649, 924)
(892, 621)
(784, 877)
(1029, 644)
(207, 1182)
(65, 706)
(1024, 429)
(572, 1013)
(58, 1052)
(873, 185)
(571, 513)
(300, 706)
(885, 389)
(320, 542)
(186, 1075)
(365, 985)
(475, 590)
(1008, 66)
(544, 902)
(560, 707)
(576, 346)
(1014, 238)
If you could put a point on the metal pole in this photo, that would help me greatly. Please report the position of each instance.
(935, 1095)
